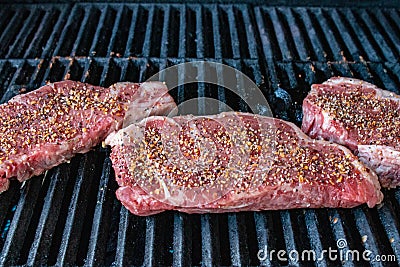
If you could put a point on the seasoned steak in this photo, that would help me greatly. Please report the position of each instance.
(46, 127)
(360, 116)
(233, 162)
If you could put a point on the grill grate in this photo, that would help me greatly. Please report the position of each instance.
(70, 214)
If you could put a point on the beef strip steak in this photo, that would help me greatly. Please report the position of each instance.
(233, 162)
(46, 127)
(360, 116)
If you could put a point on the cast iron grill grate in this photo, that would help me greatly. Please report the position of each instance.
(70, 216)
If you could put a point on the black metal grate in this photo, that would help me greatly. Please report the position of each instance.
(70, 216)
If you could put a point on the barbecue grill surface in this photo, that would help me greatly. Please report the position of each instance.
(70, 214)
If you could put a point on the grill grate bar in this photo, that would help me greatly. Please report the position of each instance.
(113, 36)
(379, 40)
(131, 32)
(182, 33)
(395, 75)
(340, 70)
(124, 71)
(148, 34)
(208, 32)
(216, 31)
(18, 230)
(18, 49)
(237, 236)
(280, 35)
(99, 234)
(99, 28)
(59, 69)
(265, 40)
(397, 197)
(5, 19)
(115, 70)
(199, 32)
(366, 231)
(170, 37)
(106, 38)
(263, 235)
(321, 20)
(250, 32)
(149, 258)
(309, 75)
(371, 49)
(164, 38)
(104, 75)
(36, 79)
(288, 236)
(234, 240)
(338, 230)
(312, 34)
(81, 31)
(296, 35)
(11, 89)
(221, 90)
(235, 43)
(382, 72)
(12, 29)
(25, 76)
(77, 211)
(181, 241)
(362, 71)
(8, 202)
(201, 90)
(314, 236)
(394, 15)
(292, 77)
(86, 67)
(56, 32)
(31, 20)
(385, 27)
(122, 237)
(256, 72)
(181, 88)
(349, 42)
(273, 80)
(49, 216)
(240, 85)
(209, 245)
(158, 26)
(387, 215)
(206, 237)
(67, 32)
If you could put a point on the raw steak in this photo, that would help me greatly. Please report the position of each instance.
(46, 127)
(360, 116)
(233, 162)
